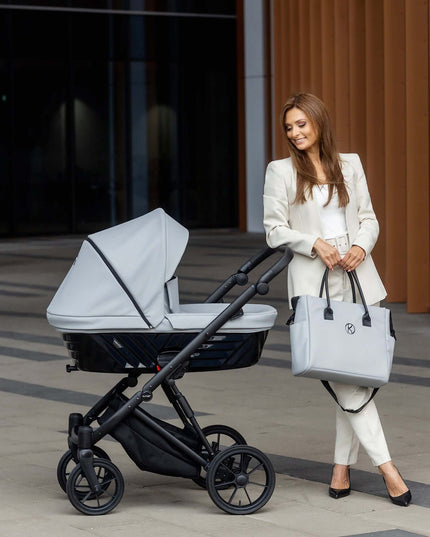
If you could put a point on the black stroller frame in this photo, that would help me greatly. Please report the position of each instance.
(95, 485)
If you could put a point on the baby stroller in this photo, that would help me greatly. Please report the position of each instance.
(118, 311)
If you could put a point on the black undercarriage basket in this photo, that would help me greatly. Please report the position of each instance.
(148, 352)
(147, 448)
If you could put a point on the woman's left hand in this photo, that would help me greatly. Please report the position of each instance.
(354, 256)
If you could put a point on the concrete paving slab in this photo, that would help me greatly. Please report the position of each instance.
(290, 419)
(387, 533)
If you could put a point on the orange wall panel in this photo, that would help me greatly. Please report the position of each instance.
(294, 64)
(357, 79)
(315, 36)
(375, 117)
(395, 149)
(279, 65)
(328, 56)
(369, 62)
(341, 57)
(417, 154)
(302, 45)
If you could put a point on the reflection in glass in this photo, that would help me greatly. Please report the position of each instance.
(108, 116)
(41, 200)
(5, 143)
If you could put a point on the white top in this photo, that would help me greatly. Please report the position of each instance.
(332, 216)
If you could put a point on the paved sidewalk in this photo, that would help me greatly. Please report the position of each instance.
(290, 419)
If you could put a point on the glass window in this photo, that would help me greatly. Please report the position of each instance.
(185, 135)
(108, 116)
(5, 148)
(224, 7)
(90, 91)
(5, 126)
(41, 189)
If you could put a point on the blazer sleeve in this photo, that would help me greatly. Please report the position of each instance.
(368, 224)
(277, 212)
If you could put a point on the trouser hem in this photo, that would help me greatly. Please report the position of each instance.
(381, 461)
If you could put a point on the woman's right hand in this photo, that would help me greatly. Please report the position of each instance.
(327, 253)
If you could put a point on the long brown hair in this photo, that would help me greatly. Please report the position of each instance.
(317, 113)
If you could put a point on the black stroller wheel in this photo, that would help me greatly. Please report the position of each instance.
(88, 502)
(67, 463)
(240, 480)
(220, 437)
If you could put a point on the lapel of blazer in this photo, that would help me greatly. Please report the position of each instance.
(350, 211)
(308, 213)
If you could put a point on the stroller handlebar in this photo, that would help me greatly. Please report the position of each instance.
(241, 276)
(278, 267)
(261, 287)
(256, 259)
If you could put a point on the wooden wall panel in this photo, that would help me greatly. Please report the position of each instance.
(280, 62)
(328, 57)
(294, 65)
(315, 37)
(357, 78)
(341, 56)
(375, 117)
(395, 149)
(417, 151)
(369, 62)
(303, 42)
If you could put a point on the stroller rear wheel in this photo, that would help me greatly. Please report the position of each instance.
(88, 502)
(219, 437)
(240, 480)
(68, 462)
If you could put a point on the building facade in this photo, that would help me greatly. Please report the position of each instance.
(110, 108)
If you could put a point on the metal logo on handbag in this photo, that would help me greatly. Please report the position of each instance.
(338, 341)
(350, 328)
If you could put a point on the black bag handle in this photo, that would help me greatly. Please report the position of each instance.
(354, 281)
(350, 410)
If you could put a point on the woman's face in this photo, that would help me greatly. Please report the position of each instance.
(300, 130)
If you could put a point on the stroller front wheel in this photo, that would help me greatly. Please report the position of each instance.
(240, 480)
(82, 496)
(219, 437)
(68, 462)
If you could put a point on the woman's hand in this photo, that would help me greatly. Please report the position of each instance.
(354, 256)
(327, 253)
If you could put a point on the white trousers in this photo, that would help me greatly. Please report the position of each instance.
(354, 429)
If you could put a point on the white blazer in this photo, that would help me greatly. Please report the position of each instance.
(298, 225)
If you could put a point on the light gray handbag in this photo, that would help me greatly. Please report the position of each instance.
(345, 342)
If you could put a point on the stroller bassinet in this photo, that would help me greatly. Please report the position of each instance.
(118, 310)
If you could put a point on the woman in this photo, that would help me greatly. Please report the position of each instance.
(317, 203)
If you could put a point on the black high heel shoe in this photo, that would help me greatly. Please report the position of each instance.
(403, 500)
(340, 493)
